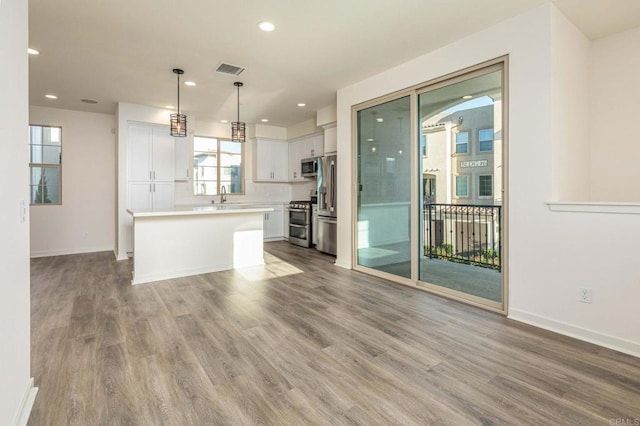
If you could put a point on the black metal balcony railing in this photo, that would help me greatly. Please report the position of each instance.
(464, 233)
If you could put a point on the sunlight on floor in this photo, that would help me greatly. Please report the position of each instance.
(274, 267)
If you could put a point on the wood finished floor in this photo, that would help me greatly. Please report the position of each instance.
(297, 342)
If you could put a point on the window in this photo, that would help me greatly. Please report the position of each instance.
(45, 159)
(462, 142)
(485, 138)
(423, 144)
(462, 186)
(216, 164)
(485, 186)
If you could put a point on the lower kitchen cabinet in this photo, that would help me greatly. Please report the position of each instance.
(147, 196)
(274, 223)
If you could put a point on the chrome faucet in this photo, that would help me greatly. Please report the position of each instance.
(223, 191)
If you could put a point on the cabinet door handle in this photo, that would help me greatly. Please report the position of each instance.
(150, 175)
(154, 175)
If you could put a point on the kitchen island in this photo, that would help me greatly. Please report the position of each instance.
(184, 241)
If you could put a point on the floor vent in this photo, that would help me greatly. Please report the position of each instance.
(230, 69)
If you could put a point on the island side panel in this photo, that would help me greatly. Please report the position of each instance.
(178, 246)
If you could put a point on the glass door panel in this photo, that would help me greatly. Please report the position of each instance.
(384, 179)
(461, 185)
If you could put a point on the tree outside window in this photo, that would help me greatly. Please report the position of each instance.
(45, 161)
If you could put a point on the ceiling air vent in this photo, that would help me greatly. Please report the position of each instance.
(230, 69)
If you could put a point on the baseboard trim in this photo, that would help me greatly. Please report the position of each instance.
(600, 339)
(24, 410)
(64, 252)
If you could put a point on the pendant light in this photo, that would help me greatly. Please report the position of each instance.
(238, 127)
(178, 121)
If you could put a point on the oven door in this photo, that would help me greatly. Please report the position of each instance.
(299, 217)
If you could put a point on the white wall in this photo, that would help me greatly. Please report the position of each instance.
(551, 255)
(570, 51)
(14, 189)
(615, 90)
(302, 129)
(84, 221)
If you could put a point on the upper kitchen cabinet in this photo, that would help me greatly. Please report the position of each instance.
(183, 157)
(330, 139)
(150, 153)
(270, 160)
(304, 147)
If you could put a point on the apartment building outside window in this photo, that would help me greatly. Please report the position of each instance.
(216, 164)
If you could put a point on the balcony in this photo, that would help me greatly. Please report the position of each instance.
(463, 233)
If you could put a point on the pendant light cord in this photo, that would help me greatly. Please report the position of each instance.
(178, 94)
(238, 103)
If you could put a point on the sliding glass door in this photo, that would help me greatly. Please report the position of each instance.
(384, 182)
(460, 125)
(430, 177)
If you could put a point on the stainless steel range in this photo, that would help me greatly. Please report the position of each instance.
(300, 231)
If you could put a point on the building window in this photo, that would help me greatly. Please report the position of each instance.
(217, 164)
(462, 186)
(423, 144)
(485, 138)
(485, 186)
(45, 161)
(462, 142)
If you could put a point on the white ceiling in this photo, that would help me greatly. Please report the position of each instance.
(124, 50)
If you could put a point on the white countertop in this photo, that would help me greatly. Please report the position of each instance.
(201, 210)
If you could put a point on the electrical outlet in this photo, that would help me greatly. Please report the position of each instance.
(586, 295)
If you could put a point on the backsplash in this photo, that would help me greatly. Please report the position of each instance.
(254, 192)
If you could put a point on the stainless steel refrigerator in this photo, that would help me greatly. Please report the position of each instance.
(327, 206)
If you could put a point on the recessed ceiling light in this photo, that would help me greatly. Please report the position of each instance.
(266, 26)
(302, 104)
(265, 120)
(33, 51)
(224, 121)
(379, 119)
(88, 101)
(467, 97)
(51, 96)
(190, 83)
(169, 107)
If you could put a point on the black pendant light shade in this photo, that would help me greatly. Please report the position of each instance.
(238, 133)
(178, 121)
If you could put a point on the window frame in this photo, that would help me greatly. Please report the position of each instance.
(218, 153)
(456, 143)
(480, 140)
(43, 166)
(480, 186)
(455, 190)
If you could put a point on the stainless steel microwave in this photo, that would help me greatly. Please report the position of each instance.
(309, 167)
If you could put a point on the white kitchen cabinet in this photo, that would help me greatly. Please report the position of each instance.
(183, 157)
(150, 153)
(270, 160)
(147, 196)
(301, 148)
(150, 171)
(274, 223)
(330, 139)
